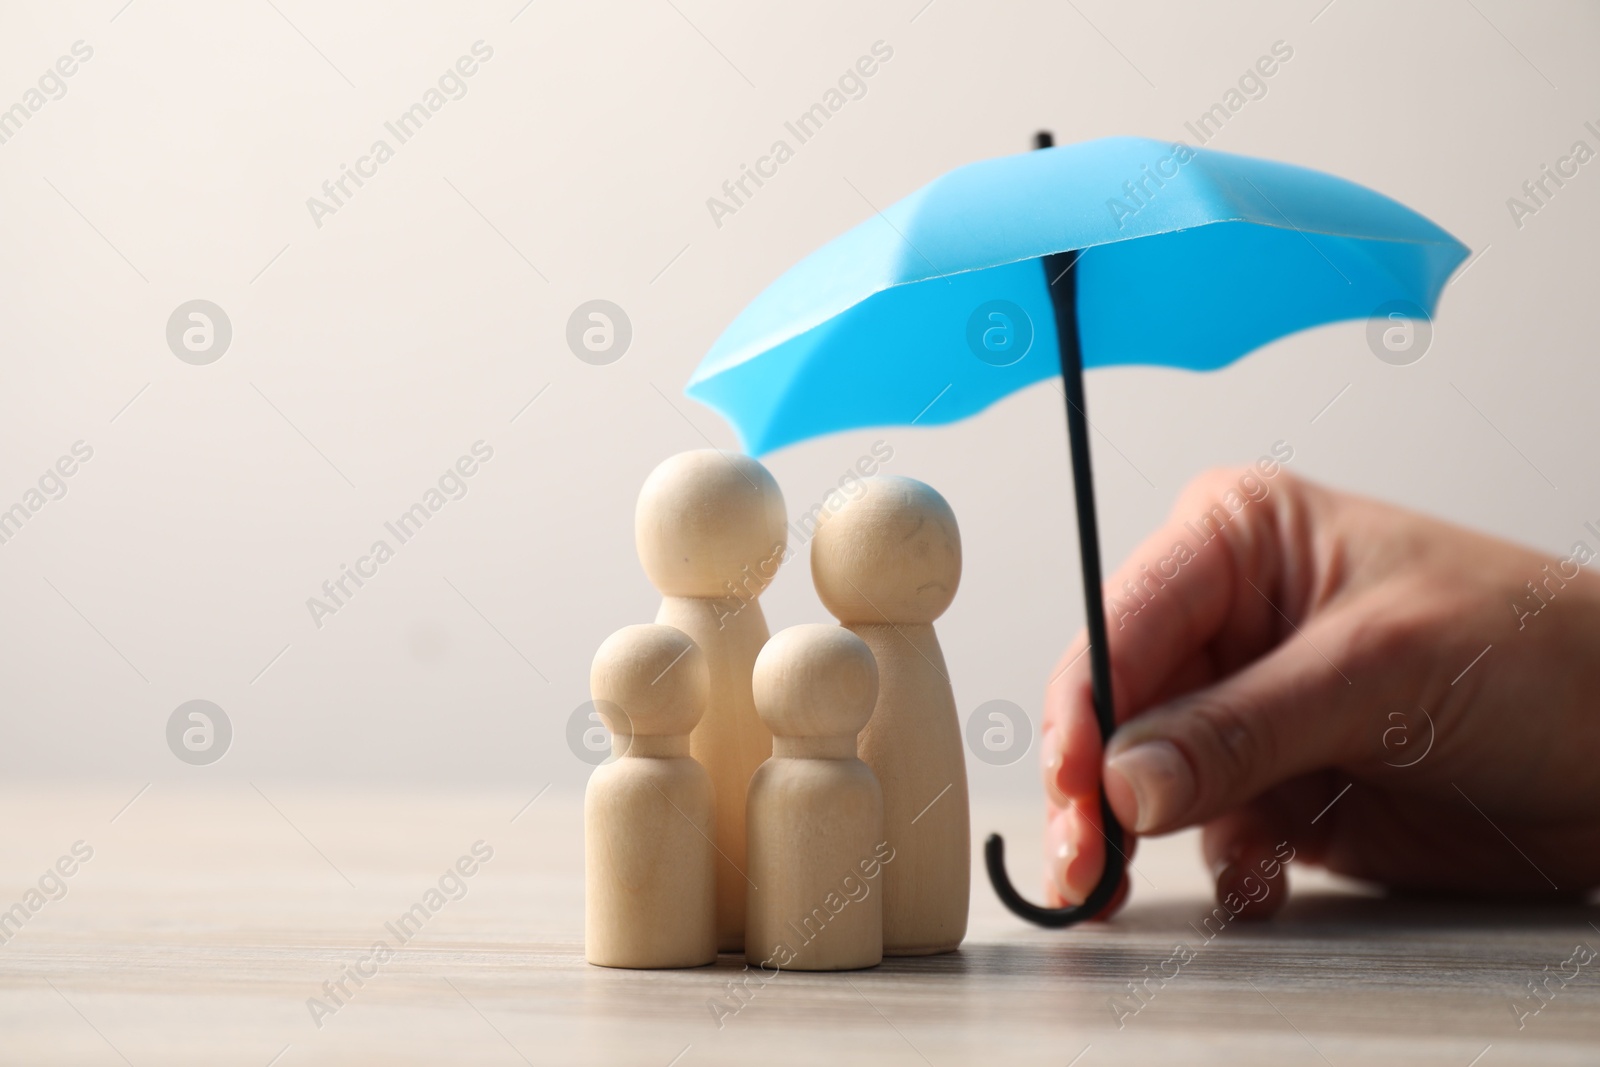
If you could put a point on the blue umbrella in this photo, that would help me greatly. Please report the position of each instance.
(1009, 271)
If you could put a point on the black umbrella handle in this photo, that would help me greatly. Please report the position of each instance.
(1062, 281)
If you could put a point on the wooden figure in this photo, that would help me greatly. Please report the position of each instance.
(886, 564)
(815, 814)
(649, 875)
(711, 532)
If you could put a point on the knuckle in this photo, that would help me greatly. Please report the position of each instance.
(1210, 485)
(1380, 632)
(1231, 748)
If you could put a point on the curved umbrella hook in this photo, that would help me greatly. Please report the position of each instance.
(1063, 285)
(994, 857)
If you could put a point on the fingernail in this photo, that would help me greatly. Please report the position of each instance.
(1160, 780)
(1060, 851)
(1060, 866)
(1053, 758)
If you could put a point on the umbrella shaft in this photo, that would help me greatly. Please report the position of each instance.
(1063, 293)
(1062, 279)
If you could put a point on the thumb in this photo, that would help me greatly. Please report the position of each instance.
(1212, 750)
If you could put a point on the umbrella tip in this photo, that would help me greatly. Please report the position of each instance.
(1044, 139)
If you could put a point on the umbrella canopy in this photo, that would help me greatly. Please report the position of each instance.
(1191, 258)
(1005, 272)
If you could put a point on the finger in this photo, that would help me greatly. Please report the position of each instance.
(1075, 853)
(1189, 604)
(1071, 670)
(1244, 851)
(1291, 815)
(1072, 776)
(1188, 586)
(1071, 750)
(1114, 905)
(1287, 714)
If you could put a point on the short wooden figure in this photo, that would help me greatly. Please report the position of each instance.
(649, 890)
(711, 532)
(817, 853)
(886, 564)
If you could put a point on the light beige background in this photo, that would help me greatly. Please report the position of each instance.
(370, 353)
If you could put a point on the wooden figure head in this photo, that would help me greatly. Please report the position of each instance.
(710, 524)
(816, 680)
(649, 681)
(890, 555)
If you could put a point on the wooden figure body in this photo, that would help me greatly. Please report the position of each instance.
(711, 532)
(649, 875)
(886, 565)
(815, 815)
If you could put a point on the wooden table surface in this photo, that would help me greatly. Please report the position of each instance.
(206, 918)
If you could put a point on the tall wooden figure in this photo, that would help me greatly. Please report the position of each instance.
(815, 810)
(887, 564)
(711, 533)
(649, 876)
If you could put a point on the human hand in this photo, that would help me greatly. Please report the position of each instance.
(1322, 642)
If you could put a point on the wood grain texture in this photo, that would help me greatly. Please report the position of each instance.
(207, 917)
